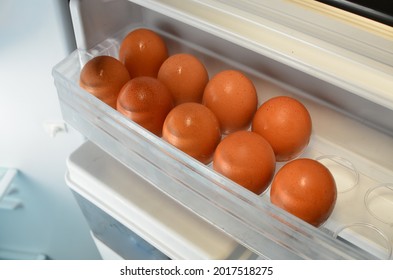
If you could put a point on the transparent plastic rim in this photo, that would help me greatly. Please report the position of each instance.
(385, 238)
(367, 197)
(343, 162)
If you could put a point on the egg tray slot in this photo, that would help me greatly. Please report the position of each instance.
(357, 212)
(363, 214)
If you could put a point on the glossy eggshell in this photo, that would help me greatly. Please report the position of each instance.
(185, 76)
(194, 129)
(146, 101)
(246, 158)
(104, 76)
(233, 98)
(286, 124)
(143, 51)
(306, 189)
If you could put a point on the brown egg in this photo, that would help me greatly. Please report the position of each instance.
(233, 99)
(185, 76)
(146, 101)
(194, 129)
(143, 51)
(306, 189)
(104, 76)
(246, 158)
(286, 124)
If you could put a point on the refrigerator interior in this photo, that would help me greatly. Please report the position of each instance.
(379, 10)
(345, 87)
(39, 218)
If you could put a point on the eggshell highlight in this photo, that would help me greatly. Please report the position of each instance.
(306, 189)
(233, 98)
(185, 76)
(104, 76)
(194, 129)
(143, 51)
(246, 158)
(286, 124)
(146, 101)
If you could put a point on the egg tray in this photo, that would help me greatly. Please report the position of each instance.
(360, 226)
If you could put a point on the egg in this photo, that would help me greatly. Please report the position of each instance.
(232, 97)
(246, 158)
(194, 129)
(185, 76)
(146, 101)
(104, 76)
(305, 188)
(286, 124)
(143, 51)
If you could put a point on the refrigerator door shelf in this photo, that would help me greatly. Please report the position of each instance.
(134, 204)
(348, 55)
(340, 130)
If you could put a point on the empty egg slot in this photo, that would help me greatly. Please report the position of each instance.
(343, 171)
(367, 237)
(379, 202)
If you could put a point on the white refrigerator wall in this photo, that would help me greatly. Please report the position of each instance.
(34, 36)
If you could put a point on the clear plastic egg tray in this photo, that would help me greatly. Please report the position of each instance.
(361, 225)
